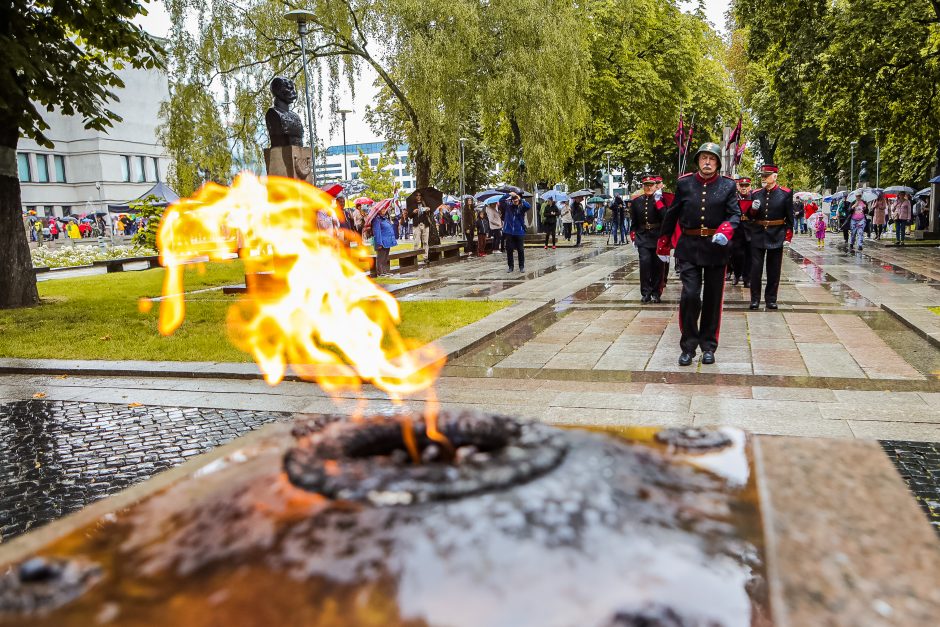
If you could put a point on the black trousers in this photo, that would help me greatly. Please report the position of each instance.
(566, 230)
(515, 243)
(703, 290)
(550, 232)
(741, 259)
(651, 272)
(774, 257)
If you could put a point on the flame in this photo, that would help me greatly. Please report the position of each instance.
(309, 305)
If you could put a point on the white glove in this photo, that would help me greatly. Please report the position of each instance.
(786, 244)
(663, 258)
(720, 239)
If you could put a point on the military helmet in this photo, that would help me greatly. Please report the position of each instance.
(711, 148)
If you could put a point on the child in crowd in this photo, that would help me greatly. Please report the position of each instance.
(483, 225)
(818, 224)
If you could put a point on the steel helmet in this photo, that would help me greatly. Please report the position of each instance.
(711, 148)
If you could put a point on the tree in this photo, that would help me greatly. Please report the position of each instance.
(148, 209)
(55, 55)
(379, 178)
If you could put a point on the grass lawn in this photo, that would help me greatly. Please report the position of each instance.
(97, 317)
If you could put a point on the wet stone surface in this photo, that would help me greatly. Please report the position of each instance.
(56, 457)
(919, 465)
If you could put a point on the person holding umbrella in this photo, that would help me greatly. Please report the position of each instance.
(383, 235)
(550, 213)
(857, 226)
(578, 217)
(707, 211)
(468, 220)
(421, 224)
(514, 208)
(902, 216)
(495, 219)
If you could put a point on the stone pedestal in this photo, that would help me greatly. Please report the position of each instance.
(293, 162)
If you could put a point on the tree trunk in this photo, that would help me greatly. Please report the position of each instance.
(17, 279)
(422, 165)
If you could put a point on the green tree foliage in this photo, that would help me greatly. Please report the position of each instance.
(819, 75)
(648, 61)
(56, 55)
(379, 178)
(148, 209)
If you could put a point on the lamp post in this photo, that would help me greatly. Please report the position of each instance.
(463, 179)
(302, 17)
(342, 113)
(877, 159)
(610, 180)
(852, 168)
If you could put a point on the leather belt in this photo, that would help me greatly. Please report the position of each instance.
(699, 232)
(650, 227)
(766, 223)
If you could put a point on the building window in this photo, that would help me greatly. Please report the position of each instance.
(147, 165)
(59, 162)
(156, 169)
(406, 172)
(354, 163)
(397, 172)
(66, 210)
(42, 169)
(141, 174)
(22, 166)
(374, 162)
(407, 184)
(47, 211)
(355, 175)
(125, 168)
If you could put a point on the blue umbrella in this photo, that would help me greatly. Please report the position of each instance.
(555, 195)
(490, 193)
(493, 200)
(923, 192)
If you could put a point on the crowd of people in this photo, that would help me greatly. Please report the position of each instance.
(41, 229)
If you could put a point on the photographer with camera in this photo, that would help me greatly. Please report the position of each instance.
(514, 210)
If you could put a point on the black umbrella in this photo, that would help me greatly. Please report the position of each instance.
(487, 194)
(509, 189)
(432, 198)
(68, 219)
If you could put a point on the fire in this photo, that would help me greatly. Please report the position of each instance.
(310, 305)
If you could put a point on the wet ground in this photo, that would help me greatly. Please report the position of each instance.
(832, 362)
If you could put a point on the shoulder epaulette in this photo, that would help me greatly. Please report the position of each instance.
(786, 190)
(686, 175)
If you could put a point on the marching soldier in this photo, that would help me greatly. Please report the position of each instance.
(771, 220)
(706, 208)
(646, 218)
(741, 242)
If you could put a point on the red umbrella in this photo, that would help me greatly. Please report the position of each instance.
(376, 208)
(364, 201)
(334, 190)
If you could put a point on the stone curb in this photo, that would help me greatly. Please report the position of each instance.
(453, 344)
(903, 314)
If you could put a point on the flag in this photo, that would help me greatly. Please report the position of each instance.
(688, 139)
(739, 152)
(736, 133)
(680, 132)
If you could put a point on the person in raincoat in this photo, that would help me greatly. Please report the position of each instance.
(902, 217)
(383, 235)
(879, 214)
(566, 221)
(550, 213)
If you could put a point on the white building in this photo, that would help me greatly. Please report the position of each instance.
(88, 169)
(332, 169)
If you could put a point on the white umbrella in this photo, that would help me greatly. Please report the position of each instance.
(581, 193)
(896, 189)
(807, 196)
(555, 195)
(868, 194)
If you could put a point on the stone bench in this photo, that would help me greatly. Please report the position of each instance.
(117, 265)
(445, 253)
(407, 260)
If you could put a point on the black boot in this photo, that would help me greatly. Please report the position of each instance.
(685, 359)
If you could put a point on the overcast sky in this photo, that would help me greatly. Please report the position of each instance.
(158, 23)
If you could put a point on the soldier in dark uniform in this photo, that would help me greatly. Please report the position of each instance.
(706, 208)
(741, 242)
(646, 218)
(771, 220)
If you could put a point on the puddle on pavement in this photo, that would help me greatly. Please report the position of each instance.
(915, 350)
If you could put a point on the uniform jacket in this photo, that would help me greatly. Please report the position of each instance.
(702, 204)
(742, 234)
(646, 219)
(514, 217)
(776, 204)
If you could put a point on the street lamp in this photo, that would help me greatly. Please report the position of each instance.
(877, 159)
(302, 17)
(610, 179)
(852, 168)
(463, 191)
(342, 113)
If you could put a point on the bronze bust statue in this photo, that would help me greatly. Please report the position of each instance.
(284, 126)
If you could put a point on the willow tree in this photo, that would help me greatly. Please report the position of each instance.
(231, 49)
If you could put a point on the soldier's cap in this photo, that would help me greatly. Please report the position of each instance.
(658, 178)
(769, 168)
(711, 148)
(744, 179)
(648, 178)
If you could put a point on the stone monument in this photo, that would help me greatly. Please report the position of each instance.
(863, 174)
(841, 187)
(287, 155)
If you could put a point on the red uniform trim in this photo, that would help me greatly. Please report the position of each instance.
(702, 179)
(721, 309)
(687, 175)
(787, 190)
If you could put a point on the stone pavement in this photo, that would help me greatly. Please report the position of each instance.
(577, 348)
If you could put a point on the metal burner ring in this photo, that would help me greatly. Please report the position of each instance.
(367, 460)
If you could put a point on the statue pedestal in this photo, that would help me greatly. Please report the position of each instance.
(290, 161)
